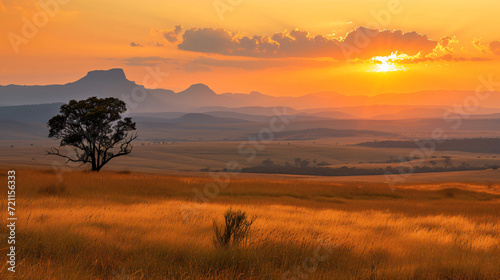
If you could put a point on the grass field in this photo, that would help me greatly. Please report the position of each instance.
(193, 156)
(122, 225)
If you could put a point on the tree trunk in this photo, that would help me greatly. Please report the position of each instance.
(95, 167)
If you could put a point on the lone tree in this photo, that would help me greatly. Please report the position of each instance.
(94, 129)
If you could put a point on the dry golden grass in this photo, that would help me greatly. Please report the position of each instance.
(131, 226)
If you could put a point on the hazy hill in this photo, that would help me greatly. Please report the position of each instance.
(158, 115)
(368, 111)
(249, 110)
(436, 113)
(427, 113)
(472, 145)
(197, 118)
(15, 130)
(235, 115)
(30, 113)
(334, 115)
(322, 133)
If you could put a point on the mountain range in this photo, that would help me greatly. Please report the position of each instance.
(199, 98)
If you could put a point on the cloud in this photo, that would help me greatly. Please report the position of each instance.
(134, 44)
(495, 47)
(451, 58)
(251, 65)
(205, 64)
(432, 58)
(190, 66)
(443, 50)
(446, 42)
(196, 67)
(374, 42)
(487, 48)
(146, 61)
(359, 43)
(207, 40)
(171, 35)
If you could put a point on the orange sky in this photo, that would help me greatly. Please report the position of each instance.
(289, 47)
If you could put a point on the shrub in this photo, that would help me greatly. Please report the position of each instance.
(235, 229)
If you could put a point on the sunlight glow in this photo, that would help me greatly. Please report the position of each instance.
(388, 63)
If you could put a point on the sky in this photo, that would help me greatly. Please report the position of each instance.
(280, 48)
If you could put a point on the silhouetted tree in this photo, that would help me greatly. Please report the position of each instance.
(267, 162)
(94, 129)
(297, 161)
(447, 161)
(304, 163)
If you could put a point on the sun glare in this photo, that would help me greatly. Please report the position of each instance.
(387, 63)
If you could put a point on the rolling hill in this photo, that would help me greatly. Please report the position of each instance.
(15, 130)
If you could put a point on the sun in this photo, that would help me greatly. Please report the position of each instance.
(385, 66)
(387, 63)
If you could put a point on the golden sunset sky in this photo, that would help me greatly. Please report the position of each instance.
(291, 47)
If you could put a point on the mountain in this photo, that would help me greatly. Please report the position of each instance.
(108, 83)
(198, 91)
(96, 83)
(114, 83)
(104, 77)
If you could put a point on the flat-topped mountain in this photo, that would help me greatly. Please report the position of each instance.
(115, 75)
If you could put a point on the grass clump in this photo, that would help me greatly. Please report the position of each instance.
(234, 230)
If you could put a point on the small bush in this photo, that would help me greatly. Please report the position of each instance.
(234, 231)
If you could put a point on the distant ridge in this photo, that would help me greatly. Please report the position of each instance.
(30, 113)
(114, 83)
(198, 118)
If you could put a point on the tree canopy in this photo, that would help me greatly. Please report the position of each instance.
(94, 129)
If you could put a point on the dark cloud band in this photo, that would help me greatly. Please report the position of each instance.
(360, 43)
